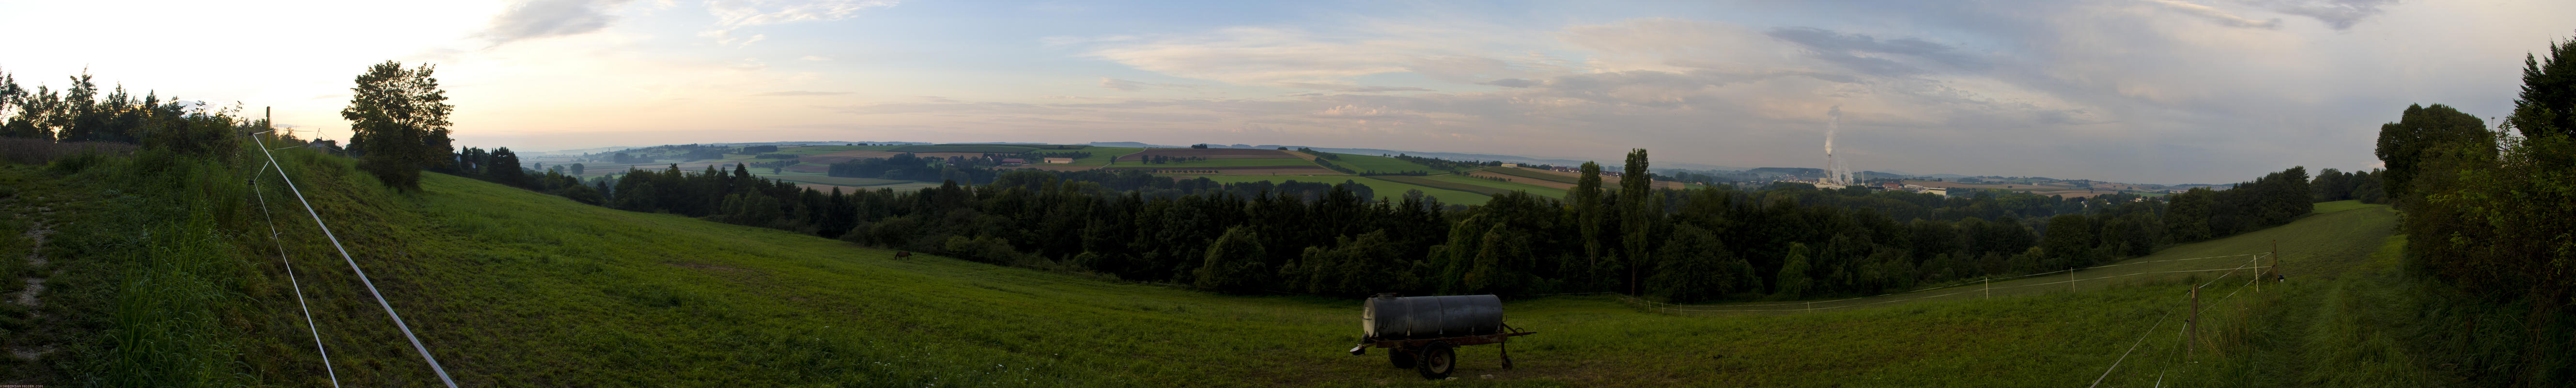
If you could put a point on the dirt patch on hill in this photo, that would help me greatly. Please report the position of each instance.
(1208, 153)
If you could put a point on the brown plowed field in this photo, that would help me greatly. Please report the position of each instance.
(1210, 153)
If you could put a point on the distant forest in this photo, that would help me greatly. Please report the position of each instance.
(1717, 243)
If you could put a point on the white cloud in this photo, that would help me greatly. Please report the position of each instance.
(736, 14)
(2216, 15)
(547, 18)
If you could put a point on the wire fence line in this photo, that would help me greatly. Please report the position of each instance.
(2133, 348)
(2185, 335)
(290, 278)
(353, 264)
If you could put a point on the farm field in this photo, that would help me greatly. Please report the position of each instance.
(1550, 176)
(1566, 178)
(1384, 189)
(1208, 153)
(1236, 162)
(1365, 163)
(1100, 156)
(1472, 185)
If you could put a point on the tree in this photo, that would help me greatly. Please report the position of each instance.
(1793, 278)
(1636, 220)
(1233, 262)
(576, 170)
(1587, 206)
(1696, 266)
(2424, 133)
(398, 123)
(2548, 101)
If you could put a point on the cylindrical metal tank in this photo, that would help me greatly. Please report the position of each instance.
(1414, 317)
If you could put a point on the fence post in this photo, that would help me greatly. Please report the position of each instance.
(2191, 344)
(1990, 287)
(2258, 275)
(2070, 279)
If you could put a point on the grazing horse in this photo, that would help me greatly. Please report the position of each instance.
(902, 254)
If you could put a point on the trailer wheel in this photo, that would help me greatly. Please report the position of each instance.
(1436, 361)
(1400, 357)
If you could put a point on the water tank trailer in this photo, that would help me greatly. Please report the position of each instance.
(1423, 332)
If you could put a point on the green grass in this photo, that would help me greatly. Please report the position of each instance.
(1365, 163)
(2336, 206)
(1532, 174)
(514, 288)
(1262, 162)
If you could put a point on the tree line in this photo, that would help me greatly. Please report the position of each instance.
(2489, 213)
(1710, 244)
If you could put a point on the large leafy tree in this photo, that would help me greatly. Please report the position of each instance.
(2425, 135)
(398, 118)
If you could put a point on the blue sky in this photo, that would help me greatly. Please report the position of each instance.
(2150, 91)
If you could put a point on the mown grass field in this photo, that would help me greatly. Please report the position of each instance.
(514, 288)
(1506, 186)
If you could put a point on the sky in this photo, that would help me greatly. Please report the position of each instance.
(2141, 91)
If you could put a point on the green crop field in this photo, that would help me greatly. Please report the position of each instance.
(1365, 163)
(1263, 162)
(1526, 173)
(510, 287)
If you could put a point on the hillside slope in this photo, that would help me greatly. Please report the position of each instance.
(514, 288)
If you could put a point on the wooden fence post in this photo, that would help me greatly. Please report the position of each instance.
(2193, 342)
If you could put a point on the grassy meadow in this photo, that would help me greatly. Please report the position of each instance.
(514, 288)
